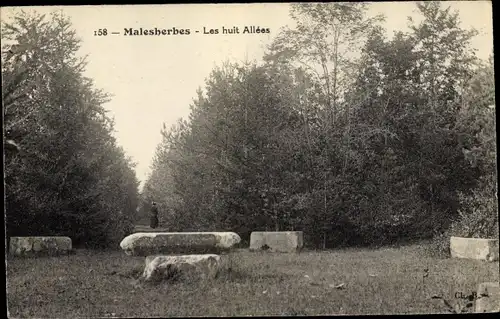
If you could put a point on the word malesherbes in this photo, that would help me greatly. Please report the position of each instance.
(156, 31)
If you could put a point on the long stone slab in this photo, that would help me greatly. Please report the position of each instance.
(189, 267)
(145, 244)
(488, 297)
(474, 248)
(284, 241)
(40, 246)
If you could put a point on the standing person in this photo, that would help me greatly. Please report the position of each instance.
(154, 216)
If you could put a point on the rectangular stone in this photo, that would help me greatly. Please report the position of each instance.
(40, 246)
(474, 248)
(488, 297)
(283, 241)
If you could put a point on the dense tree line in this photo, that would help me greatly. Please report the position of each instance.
(345, 134)
(66, 175)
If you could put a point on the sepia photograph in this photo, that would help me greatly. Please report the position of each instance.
(250, 159)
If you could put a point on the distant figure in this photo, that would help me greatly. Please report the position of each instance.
(154, 216)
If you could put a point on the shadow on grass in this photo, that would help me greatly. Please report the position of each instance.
(132, 273)
(41, 254)
(235, 275)
(223, 276)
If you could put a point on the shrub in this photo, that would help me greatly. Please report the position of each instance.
(478, 215)
(439, 247)
(477, 218)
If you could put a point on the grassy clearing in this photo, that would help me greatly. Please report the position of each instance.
(383, 281)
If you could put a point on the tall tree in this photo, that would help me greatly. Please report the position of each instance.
(478, 213)
(231, 156)
(60, 181)
(325, 44)
(416, 85)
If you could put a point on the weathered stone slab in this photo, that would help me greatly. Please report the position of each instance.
(286, 241)
(488, 297)
(474, 248)
(187, 267)
(40, 246)
(145, 244)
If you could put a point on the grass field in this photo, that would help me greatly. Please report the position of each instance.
(383, 281)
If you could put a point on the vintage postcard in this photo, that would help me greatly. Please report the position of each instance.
(261, 159)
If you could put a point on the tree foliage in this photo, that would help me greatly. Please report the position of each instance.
(68, 176)
(348, 135)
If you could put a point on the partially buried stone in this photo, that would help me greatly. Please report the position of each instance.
(186, 267)
(145, 244)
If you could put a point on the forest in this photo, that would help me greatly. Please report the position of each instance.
(341, 132)
(64, 173)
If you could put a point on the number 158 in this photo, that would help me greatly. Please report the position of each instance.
(101, 32)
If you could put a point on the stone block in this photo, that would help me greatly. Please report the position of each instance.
(40, 246)
(283, 241)
(474, 248)
(145, 244)
(488, 297)
(185, 267)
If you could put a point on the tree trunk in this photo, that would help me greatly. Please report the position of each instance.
(325, 212)
(276, 221)
(335, 68)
